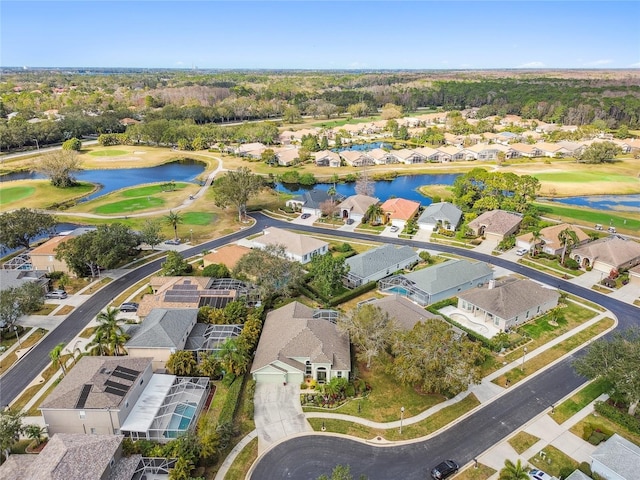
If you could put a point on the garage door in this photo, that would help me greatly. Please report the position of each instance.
(295, 378)
(269, 377)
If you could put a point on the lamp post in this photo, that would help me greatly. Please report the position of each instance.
(15, 329)
(524, 354)
(191, 232)
(401, 417)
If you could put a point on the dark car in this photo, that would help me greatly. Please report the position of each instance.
(129, 307)
(444, 470)
(172, 242)
(350, 221)
(305, 216)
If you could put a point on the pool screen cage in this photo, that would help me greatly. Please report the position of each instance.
(250, 293)
(179, 410)
(211, 340)
(400, 285)
(151, 467)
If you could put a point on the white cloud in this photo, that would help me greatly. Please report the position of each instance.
(179, 63)
(531, 65)
(635, 65)
(598, 63)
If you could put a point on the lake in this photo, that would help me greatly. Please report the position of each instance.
(112, 180)
(626, 203)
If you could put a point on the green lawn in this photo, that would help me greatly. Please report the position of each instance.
(13, 194)
(589, 217)
(243, 461)
(584, 176)
(347, 121)
(581, 399)
(198, 218)
(554, 461)
(130, 205)
(523, 441)
(483, 472)
(108, 153)
(150, 190)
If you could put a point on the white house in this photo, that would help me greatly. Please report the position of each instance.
(443, 214)
(380, 262)
(616, 459)
(300, 248)
(355, 207)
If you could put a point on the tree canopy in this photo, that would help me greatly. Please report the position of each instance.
(370, 331)
(600, 152)
(175, 265)
(236, 188)
(327, 272)
(19, 227)
(60, 166)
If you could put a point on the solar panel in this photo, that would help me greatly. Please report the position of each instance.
(185, 287)
(126, 373)
(120, 393)
(117, 386)
(84, 394)
(215, 302)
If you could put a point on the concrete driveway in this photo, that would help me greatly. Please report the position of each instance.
(277, 413)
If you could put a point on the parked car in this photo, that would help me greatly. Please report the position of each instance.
(611, 229)
(129, 307)
(598, 226)
(304, 216)
(394, 229)
(350, 221)
(59, 294)
(536, 474)
(444, 470)
(521, 251)
(173, 241)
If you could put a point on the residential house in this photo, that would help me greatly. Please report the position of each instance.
(616, 459)
(495, 224)
(572, 148)
(506, 137)
(74, 456)
(380, 262)
(121, 395)
(382, 157)
(551, 149)
(195, 292)
(437, 282)
(442, 214)
(299, 342)
(402, 311)
(18, 278)
(450, 154)
(300, 248)
(409, 156)
(327, 158)
(484, 151)
(311, 201)
(508, 302)
(549, 238)
(43, 257)
(355, 207)
(607, 254)
(430, 154)
(578, 475)
(163, 332)
(252, 150)
(398, 211)
(228, 255)
(634, 275)
(525, 150)
(286, 156)
(356, 158)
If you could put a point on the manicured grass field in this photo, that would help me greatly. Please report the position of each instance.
(131, 205)
(13, 194)
(150, 190)
(108, 153)
(582, 177)
(590, 217)
(581, 399)
(554, 462)
(523, 441)
(198, 218)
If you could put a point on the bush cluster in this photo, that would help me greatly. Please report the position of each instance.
(627, 421)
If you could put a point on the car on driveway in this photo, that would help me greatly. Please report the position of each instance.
(129, 307)
(304, 216)
(350, 221)
(59, 294)
(444, 470)
(173, 241)
(394, 229)
(521, 251)
(536, 474)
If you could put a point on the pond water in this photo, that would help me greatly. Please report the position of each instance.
(112, 180)
(403, 186)
(364, 147)
(57, 229)
(626, 203)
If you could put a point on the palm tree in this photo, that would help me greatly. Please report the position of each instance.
(174, 219)
(109, 337)
(56, 356)
(568, 239)
(35, 433)
(536, 239)
(233, 356)
(513, 471)
(332, 192)
(182, 363)
(374, 214)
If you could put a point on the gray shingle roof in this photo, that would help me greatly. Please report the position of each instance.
(619, 455)
(314, 198)
(290, 332)
(403, 311)
(613, 251)
(509, 297)
(17, 278)
(447, 275)
(163, 328)
(442, 211)
(380, 258)
(578, 475)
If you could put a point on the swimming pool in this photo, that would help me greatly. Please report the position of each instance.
(397, 290)
(180, 420)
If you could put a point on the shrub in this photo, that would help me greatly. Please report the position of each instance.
(216, 270)
(571, 264)
(230, 405)
(617, 416)
(72, 144)
(345, 297)
(585, 468)
(344, 248)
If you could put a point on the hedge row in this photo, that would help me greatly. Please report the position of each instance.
(434, 307)
(345, 297)
(627, 421)
(230, 405)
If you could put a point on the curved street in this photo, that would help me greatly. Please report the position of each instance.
(309, 456)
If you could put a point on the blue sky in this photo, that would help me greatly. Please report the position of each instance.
(321, 35)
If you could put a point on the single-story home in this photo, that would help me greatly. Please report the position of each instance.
(327, 158)
(286, 156)
(616, 459)
(409, 156)
(398, 211)
(441, 214)
(311, 201)
(430, 154)
(382, 157)
(356, 158)
(508, 302)
(253, 150)
(355, 207)
(228, 255)
(525, 150)
(300, 248)
(298, 342)
(195, 292)
(403, 311)
(608, 253)
(634, 275)
(435, 283)
(163, 332)
(495, 224)
(17, 278)
(112, 395)
(380, 262)
(549, 238)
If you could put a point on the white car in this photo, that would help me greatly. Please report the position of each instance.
(521, 251)
(536, 474)
(394, 229)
